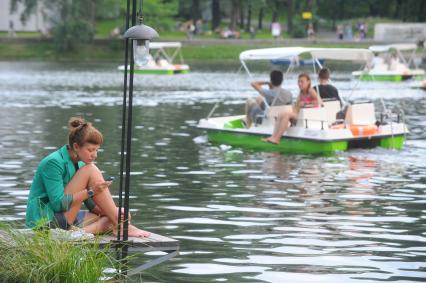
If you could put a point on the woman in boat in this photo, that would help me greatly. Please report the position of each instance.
(307, 98)
(67, 178)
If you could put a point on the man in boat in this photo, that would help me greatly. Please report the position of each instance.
(324, 89)
(273, 96)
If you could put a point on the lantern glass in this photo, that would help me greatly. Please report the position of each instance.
(141, 51)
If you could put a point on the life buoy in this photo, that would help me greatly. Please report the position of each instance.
(358, 130)
(363, 130)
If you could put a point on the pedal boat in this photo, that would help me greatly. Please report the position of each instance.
(161, 62)
(396, 69)
(419, 85)
(316, 131)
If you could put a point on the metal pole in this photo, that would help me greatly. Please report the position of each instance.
(119, 249)
(129, 145)
(123, 126)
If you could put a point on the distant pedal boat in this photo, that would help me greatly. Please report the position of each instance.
(161, 62)
(396, 69)
(419, 85)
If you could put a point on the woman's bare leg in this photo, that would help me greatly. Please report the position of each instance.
(98, 225)
(87, 176)
(79, 182)
(280, 127)
(108, 208)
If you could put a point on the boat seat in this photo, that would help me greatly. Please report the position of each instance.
(361, 114)
(312, 118)
(269, 118)
(274, 111)
(331, 109)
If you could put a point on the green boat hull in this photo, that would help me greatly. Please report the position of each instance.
(396, 142)
(300, 146)
(392, 78)
(161, 72)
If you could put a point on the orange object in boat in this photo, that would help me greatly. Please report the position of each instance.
(338, 126)
(363, 130)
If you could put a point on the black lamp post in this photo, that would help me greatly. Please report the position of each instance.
(138, 36)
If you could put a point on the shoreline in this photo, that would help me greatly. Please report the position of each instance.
(25, 48)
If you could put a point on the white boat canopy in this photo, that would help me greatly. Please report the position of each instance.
(158, 45)
(168, 50)
(349, 54)
(396, 46)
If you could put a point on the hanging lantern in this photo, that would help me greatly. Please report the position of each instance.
(141, 35)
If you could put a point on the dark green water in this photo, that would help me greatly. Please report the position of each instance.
(241, 216)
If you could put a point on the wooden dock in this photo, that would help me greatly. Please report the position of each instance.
(154, 242)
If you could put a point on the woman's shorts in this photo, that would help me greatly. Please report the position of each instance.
(59, 220)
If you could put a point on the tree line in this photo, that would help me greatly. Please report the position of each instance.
(74, 22)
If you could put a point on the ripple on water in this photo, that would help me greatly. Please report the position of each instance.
(205, 269)
(356, 216)
(210, 221)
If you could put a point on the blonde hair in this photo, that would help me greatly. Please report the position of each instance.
(82, 132)
(296, 106)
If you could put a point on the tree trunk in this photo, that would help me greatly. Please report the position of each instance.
(182, 12)
(421, 12)
(309, 6)
(342, 9)
(397, 12)
(274, 16)
(248, 18)
(289, 16)
(373, 9)
(195, 10)
(215, 14)
(93, 14)
(234, 14)
(260, 21)
(241, 8)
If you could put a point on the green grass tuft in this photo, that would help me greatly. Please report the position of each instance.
(42, 258)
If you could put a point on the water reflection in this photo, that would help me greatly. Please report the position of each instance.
(241, 216)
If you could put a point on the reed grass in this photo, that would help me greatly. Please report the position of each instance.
(42, 258)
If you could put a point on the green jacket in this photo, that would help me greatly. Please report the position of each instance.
(47, 189)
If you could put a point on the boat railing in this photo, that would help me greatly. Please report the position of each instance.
(316, 122)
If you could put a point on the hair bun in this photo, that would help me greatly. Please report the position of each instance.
(76, 122)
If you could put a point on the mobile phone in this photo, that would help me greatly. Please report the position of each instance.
(110, 179)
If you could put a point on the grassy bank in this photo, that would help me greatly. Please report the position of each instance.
(114, 50)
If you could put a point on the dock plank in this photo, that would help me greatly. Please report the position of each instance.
(154, 242)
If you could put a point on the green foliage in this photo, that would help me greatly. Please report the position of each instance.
(109, 9)
(159, 14)
(70, 20)
(298, 30)
(409, 10)
(42, 258)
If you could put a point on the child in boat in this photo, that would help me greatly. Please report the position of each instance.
(325, 89)
(307, 98)
(275, 95)
(67, 178)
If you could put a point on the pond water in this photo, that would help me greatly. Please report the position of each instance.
(241, 216)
